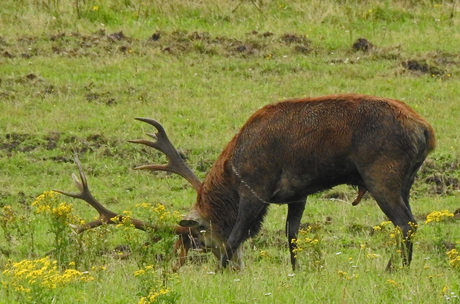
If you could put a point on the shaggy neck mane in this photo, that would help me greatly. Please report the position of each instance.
(218, 197)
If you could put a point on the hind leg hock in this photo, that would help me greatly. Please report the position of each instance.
(391, 194)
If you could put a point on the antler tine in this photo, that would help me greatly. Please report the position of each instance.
(85, 193)
(175, 162)
(81, 185)
(106, 216)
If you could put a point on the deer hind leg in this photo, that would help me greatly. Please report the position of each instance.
(409, 181)
(390, 195)
(250, 215)
(295, 211)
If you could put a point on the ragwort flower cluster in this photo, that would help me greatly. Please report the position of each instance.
(27, 276)
(454, 258)
(48, 203)
(311, 246)
(152, 288)
(439, 216)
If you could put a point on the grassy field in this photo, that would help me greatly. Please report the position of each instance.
(75, 74)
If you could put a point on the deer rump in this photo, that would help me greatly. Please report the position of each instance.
(291, 149)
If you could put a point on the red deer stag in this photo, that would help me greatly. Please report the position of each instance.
(287, 151)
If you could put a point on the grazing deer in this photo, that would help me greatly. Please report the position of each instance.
(287, 151)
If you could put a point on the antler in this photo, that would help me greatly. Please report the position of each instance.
(106, 216)
(175, 162)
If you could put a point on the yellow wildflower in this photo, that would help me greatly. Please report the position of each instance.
(8, 214)
(153, 295)
(98, 268)
(143, 205)
(341, 273)
(344, 275)
(393, 283)
(128, 213)
(438, 216)
(63, 210)
(377, 228)
(41, 272)
(139, 272)
(372, 256)
(263, 253)
(159, 208)
(454, 258)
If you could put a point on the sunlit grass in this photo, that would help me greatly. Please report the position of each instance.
(338, 250)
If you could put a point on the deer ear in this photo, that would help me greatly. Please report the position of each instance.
(193, 219)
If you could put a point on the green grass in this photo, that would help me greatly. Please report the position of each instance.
(70, 81)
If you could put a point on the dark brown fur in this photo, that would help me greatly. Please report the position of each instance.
(291, 149)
